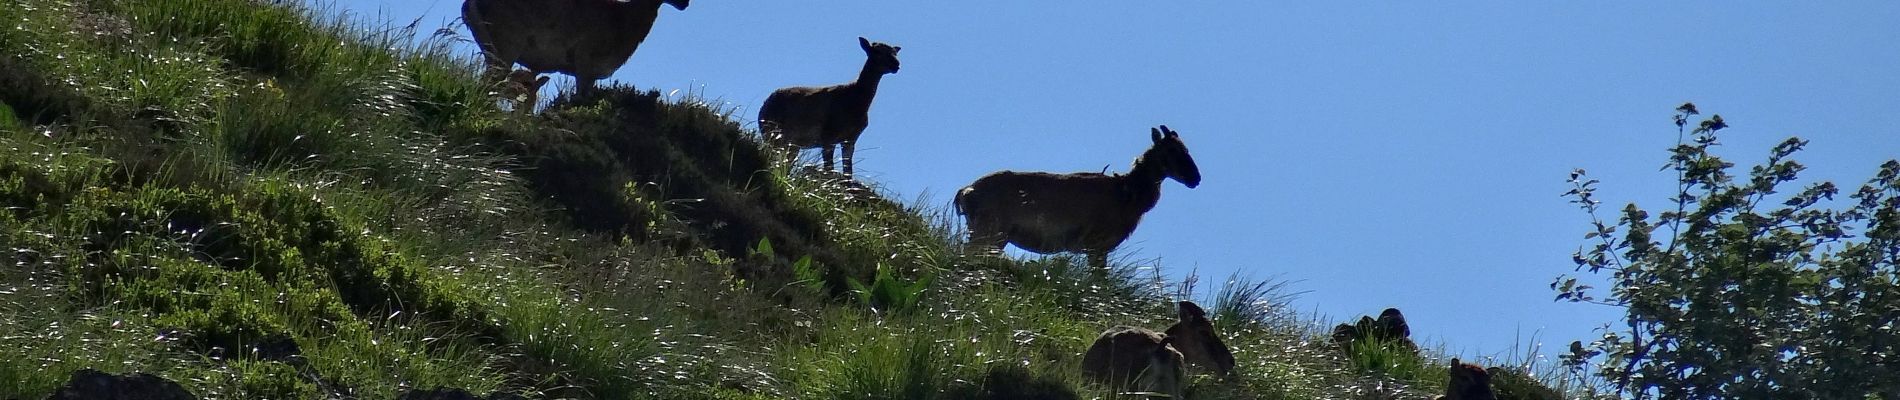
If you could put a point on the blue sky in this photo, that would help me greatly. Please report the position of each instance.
(1376, 154)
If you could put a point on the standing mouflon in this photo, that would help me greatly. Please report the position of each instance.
(1081, 212)
(803, 117)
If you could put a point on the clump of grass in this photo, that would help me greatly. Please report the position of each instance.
(945, 353)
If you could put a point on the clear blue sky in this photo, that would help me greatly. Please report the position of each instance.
(1378, 154)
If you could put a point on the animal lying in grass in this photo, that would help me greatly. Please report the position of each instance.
(1083, 212)
(797, 118)
(587, 39)
(1137, 359)
(1468, 382)
(1131, 359)
(1389, 329)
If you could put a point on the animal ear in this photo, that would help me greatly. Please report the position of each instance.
(1190, 311)
(1155, 134)
(864, 43)
(895, 49)
(1169, 132)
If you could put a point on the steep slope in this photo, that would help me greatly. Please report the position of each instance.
(256, 203)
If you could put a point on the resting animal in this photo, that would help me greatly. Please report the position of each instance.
(1134, 358)
(1468, 382)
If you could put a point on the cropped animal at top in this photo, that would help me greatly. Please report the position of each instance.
(1134, 358)
(1083, 212)
(587, 39)
(1468, 382)
(803, 117)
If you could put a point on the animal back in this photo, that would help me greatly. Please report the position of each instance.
(584, 38)
(1049, 213)
(800, 114)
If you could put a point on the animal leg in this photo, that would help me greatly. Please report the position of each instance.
(774, 136)
(496, 74)
(584, 87)
(1098, 259)
(848, 147)
(985, 240)
(828, 149)
(523, 89)
(496, 71)
(988, 244)
(770, 133)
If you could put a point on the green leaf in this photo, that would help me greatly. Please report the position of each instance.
(7, 119)
(764, 248)
(807, 272)
(864, 293)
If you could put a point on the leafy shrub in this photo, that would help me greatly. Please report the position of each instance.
(1741, 290)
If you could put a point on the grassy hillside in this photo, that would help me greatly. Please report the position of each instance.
(258, 202)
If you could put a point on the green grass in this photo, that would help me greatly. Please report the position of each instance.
(265, 202)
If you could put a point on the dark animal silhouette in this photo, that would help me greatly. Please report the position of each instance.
(1468, 382)
(1389, 328)
(801, 117)
(587, 39)
(1082, 212)
(1134, 358)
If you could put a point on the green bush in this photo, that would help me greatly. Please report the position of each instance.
(1739, 290)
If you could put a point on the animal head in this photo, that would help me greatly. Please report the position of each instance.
(1173, 156)
(1394, 324)
(1195, 338)
(881, 55)
(1468, 382)
(678, 4)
